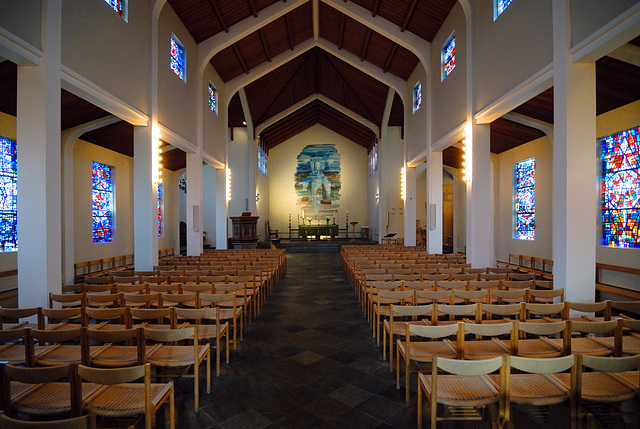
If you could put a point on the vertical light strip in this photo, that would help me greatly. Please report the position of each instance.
(158, 167)
(228, 184)
(466, 155)
(403, 183)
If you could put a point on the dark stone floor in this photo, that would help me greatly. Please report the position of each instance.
(308, 361)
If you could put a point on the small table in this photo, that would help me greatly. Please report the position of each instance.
(353, 229)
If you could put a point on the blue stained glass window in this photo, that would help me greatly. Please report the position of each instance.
(417, 96)
(8, 195)
(620, 154)
(178, 58)
(115, 5)
(213, 99)
(262, 160)
(160, 210)
(500, 6)
(373, 159)
(524, 173)
(449, 57)
(103, 202)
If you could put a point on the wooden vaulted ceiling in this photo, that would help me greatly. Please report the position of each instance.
(317, 75)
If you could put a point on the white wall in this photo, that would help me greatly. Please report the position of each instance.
(282, 167)
(421, 193)
(391, 162)
(589, 16)
(239, 164)
(23, 18)
(415, 123)
(214, 127)
(208, 203)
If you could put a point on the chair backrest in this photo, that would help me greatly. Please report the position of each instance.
(54, 315)
(54, 336)
(464, 276)
(83, 422)
(451, 284)
(130, 288)
(499, 311)
(466, 367)
(431, 332)
(217, 298)
(470, 310)
(584, 307)
(111, 376)
(419, 285)
(18, 313)
(100, 299)
(517, 284)
(509, 295)
(521, 276)
(398, 296)
(541, 365)
(436, 277)
(126, 280)
(545, 295)
(97, 288)
(541, 309)
(486, 330)
(544, 284)
(493, 276)
(171, 335)
(146, 314)
(102, 314)
(484, 284)
(471, 295)
(612, 364)
(433, 295)
(102, 280)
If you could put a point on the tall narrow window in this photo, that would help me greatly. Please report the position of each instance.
(262, 159)
(160, 210)
(448, 56)
(119, 6)
(621, 189)
(373, 159)
(103, 202)
(524, 181)
(8, 195)
(213, 98)
(178, 58)
(499, 6)
(417, 96)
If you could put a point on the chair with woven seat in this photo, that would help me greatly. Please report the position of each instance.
(63, 300)
(627, 342)
(83, 422)
(119, 396)
(479, 348)
(157, 318)
(536, 384)
(250, 293)
(382, 307)
(106, 318)
(530, 339)
(455, 313)
(99, 299)
(422, 352)
(43, 392)
(543, 312)
(499, 313)
(175, 360)
(211, 333)
(230, 311)
(10, 318)
(142, 300)
(396, 325)
(64, 346)
(547, 296)
(15, 346)
(466, 385)
(62, 318)
(586, 311)
(243, 300)
(106, 350)
(590, 341)
(509, 296)
(470, 296)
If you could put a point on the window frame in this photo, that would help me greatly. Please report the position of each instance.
(516, 211)
(443, 56)
(211, 88)
(112, 216)
(12, 176)
(417, 90)
(174, 40)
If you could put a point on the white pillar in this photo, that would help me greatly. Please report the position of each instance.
(39, 168)
(221, 208)
(479, 205)
(145, 219)
(194, 204)
(575, 194)
(410, 207)
(434, 202)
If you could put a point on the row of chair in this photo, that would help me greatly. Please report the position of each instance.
(99, 267)
(541, 267)
(499, 382)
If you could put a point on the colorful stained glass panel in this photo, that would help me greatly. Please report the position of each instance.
(213, 99)
(160, 210)
(449, 57)
(417, 96)
(524, 175)
(620, 184)
(499, 7)
(103, 199)
(115, 5)
(8, 195)
(177, 58)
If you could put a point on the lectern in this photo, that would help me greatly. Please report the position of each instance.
(245, 231)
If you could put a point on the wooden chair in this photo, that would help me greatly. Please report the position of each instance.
(241, 301)
(382, 308)
(15, 346)
(119, 397)
(536, 384)
(178, 357)
(629, 339)
(83, 422)
(509, 296)
(545, 295)
(142, 300)
(98, 299)
(62, 300)
(531, 339)
(10, 317)
(422, 352)
(543, 312)
(483, 349)
(230, 311)
(499, 313)
(156, 318)
(396, 325)
(109, 353)
(466, 385)
(61, 318)
(371, 296)
(470, 296)
(455, 313)
(65, 346)
(590, 340)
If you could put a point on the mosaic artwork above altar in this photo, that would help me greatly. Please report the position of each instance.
(317, 182)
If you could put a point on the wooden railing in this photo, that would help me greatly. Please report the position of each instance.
(617, 290)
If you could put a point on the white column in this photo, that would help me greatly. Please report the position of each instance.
(575, 192)
(145, 220)
(221, 208)
(39, 168)
(410, 207)
(194, 204)
(434, 199)
(479, 205)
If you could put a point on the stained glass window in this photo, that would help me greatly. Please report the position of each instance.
(262, 160)
(499, 6)
(8, 195)
(213, 99)
(621, 189)
(103, 202)
(160, 210)
(115, 5)
(178, 58)
(373, 159)
(417, 96)
(524, 181)
(449, 56)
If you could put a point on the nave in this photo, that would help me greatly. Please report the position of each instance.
(308, 361)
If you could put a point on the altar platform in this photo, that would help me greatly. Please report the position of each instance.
(317, 246)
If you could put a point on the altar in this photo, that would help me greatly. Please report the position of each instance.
(317, 231)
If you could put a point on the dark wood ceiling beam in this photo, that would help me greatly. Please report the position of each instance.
(343, 18)
(264, 45)
(365, 45)
(288, 30)
(392, 54)
(216, 10)
(376, 8)
(252, 6)
(408, 17)
(240, 59)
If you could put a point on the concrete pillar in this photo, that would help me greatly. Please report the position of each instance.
(194, 204)
(145, 219)
(434, 202)
(479, 206)
(39, 168)
(575, 194)
(221, 208)
(410, 207)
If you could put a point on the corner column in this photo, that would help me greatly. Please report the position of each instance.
(434, 202)
(194, 204)
(145, 219)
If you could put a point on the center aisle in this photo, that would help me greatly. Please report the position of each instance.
(307, 361)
